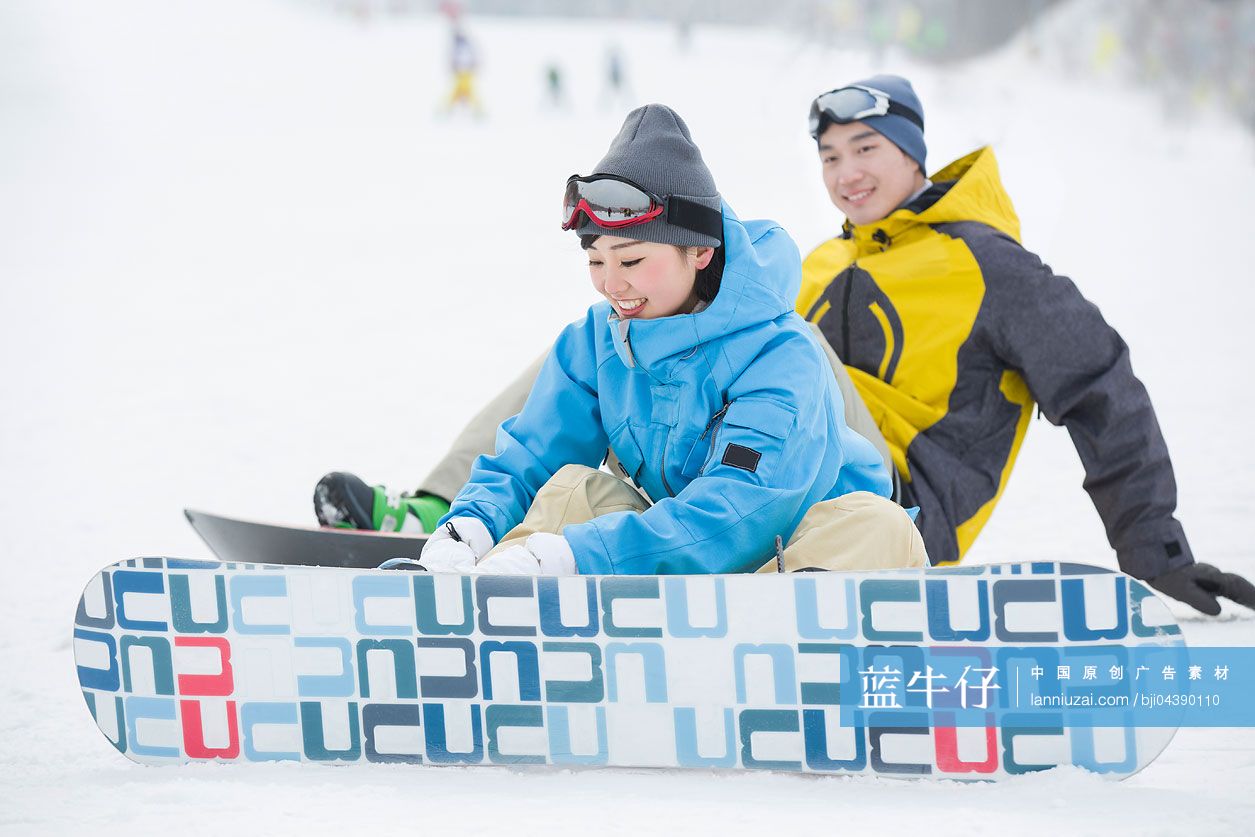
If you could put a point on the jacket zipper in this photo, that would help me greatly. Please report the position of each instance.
(663, 470)
(715, 423)
(845, 314)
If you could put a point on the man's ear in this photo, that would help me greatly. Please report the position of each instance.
(703, 258)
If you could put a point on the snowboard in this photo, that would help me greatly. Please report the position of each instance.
(246, 541)
(811, 672)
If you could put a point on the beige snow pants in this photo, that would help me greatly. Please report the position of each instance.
(858, 531)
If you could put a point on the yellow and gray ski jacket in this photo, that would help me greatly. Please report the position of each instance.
(951, 331)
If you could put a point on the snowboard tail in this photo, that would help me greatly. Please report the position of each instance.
(189, 660)
(247, 541)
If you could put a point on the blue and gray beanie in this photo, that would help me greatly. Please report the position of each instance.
(899, 130)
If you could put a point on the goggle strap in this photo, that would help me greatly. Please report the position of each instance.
(906, 113)
(695, 217)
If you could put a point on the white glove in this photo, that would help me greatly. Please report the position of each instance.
(541, 554)
(456, 546)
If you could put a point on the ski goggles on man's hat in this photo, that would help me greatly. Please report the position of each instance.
(614, 203)
(855, 102)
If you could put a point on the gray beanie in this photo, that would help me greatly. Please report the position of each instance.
(655, 151)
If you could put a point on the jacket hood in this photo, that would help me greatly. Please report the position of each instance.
(975, 193)
(762, 275)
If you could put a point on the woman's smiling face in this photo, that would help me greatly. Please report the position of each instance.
(644, 280)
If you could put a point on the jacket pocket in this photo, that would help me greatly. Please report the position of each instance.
(628, 451)
(752, 437)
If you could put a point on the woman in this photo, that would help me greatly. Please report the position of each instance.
(709, 391)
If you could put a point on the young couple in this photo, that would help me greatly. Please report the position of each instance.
(757, 412)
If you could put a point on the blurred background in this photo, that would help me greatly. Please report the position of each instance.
(1194, 53)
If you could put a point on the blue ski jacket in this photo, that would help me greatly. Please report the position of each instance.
(729, 419)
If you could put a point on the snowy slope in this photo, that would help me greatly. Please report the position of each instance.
(238, 248)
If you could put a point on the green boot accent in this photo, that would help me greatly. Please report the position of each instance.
(389, 513)
(428, 509)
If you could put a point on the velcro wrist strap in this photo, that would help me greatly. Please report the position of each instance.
(474, 534)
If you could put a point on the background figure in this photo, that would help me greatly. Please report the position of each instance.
(555, 94)
(617, 91)
(463, 62)
(683, 34)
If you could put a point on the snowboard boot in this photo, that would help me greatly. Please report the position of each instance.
(344, 501)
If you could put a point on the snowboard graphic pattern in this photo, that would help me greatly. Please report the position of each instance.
(189, 660)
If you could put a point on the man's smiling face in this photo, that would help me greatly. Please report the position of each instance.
(866, 175)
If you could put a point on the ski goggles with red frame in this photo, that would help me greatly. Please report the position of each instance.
(855, 102)
(615, 203)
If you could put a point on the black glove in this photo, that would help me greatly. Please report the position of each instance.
(1198, 585)
(344, 500)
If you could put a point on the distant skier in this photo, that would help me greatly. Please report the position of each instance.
(463, 63)
(695, 372)
(684, 34)
(555, 90)
(617, 91)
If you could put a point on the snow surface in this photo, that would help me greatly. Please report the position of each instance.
(239, 248)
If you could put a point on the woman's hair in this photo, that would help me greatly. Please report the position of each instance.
(708, 278)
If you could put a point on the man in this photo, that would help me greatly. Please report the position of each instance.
(952, 333)
(949, 333)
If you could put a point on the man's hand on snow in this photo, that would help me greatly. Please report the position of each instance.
(1198, 585)
(541, 554)
(456, 546)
